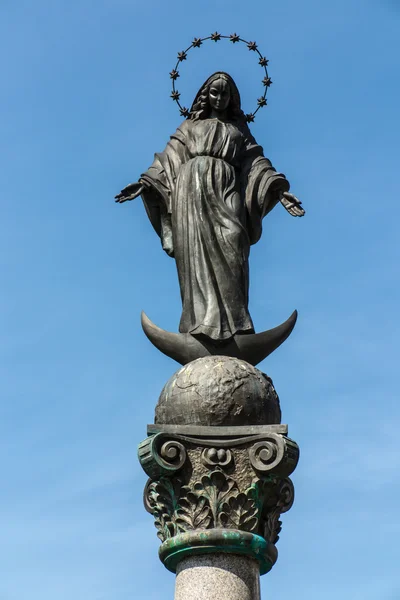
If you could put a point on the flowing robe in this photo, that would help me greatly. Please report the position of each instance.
(206, 196)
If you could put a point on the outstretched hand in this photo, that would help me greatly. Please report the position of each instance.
(130, 192)
(292, 204)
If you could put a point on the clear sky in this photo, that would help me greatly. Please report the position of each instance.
(84, 105)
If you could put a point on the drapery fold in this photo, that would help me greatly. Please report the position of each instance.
(206, 195)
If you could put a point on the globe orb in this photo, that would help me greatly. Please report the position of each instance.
(218, 390)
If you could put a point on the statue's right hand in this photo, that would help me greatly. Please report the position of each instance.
(130, 192)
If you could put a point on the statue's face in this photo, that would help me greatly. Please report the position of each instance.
(219, 95)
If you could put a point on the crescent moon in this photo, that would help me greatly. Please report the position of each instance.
(251, 347)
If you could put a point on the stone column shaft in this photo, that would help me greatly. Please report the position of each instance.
(218, 577)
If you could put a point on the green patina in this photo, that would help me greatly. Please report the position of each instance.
(213, 541)
(214, 502)
(151, 461)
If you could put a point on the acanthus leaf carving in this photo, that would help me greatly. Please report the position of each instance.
(163, 499)
(216, 500)
(194, 513)
(216, 488)
(273, 496)
(240, 512)
(272, 526)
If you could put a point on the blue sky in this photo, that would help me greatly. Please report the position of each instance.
(84, 105)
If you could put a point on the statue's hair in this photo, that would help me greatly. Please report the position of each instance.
(201, 107)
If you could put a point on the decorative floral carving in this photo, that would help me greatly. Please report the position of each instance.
(216, 501)
(194, 513)
(213, 457)
(162, 498)
(273, 496)
(271, 526)
(181, 501)
(240, 512)
(216, 488)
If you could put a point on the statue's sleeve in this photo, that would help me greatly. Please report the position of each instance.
(160, 183)
(261, 184)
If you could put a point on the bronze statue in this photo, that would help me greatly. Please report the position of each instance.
(206, 195)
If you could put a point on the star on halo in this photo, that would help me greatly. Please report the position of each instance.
(174, 74)
(184, 112)
(215, 36)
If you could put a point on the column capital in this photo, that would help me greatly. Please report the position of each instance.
(218, 489)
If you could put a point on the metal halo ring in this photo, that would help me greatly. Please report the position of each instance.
(216, 37)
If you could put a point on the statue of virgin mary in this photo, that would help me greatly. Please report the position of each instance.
(206, 195)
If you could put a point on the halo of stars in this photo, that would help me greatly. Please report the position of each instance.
(216, 37)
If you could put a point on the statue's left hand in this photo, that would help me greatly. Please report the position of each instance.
(292, 204)
(130, 192)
